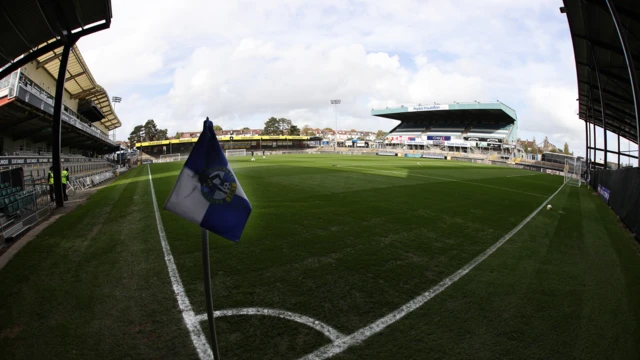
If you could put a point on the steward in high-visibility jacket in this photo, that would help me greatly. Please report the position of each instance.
(50, 178)
(65, 177)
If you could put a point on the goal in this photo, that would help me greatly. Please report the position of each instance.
(572, 172)
(168, 158)
(236, 152)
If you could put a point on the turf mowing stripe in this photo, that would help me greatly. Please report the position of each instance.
(329, 332)
(357, 337)
(197, 336)
(446, 179)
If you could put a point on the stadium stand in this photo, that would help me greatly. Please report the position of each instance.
(447, 130)
(484, 132)
(460, 129)
(39, 129)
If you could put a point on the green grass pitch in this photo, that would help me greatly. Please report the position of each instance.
(344, 240)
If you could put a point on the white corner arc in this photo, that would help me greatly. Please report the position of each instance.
(327, 330)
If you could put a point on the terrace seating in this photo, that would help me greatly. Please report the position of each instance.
(498, 131)
(446, 130)
(12, 200)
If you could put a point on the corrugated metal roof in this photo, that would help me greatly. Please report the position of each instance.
(595, 39)
(80, 83)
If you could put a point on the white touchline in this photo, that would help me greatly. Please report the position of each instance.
(197, 336)
(441, 178)
(375, 327)
(330, 332)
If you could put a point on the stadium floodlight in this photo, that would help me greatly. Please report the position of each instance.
(335, 104)
(115, 99)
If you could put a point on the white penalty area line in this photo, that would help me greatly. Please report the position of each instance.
(445, 179)
(357, 337)
(197, 336)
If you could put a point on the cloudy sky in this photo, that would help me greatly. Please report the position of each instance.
(240, 62)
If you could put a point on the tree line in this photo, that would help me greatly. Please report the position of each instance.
(149, 131)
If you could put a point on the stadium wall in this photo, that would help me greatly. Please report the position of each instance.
(620, 189)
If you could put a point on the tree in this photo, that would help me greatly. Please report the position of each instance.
(217, 128)
(271, 127)
(136, 136)
(353, 130)
(294, 130)
(279, 126)
(380, 134)
(161, 135)
(306, 130)
(150, 130)
(327, 129)
(178, 135)
(245, 128)
(566, 149)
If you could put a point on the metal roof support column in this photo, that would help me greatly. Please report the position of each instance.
(618, 151)
(57, 122)
(586, 135)
(602, 106)
(635, 91)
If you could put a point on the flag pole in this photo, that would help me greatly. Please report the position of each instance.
(206, 265)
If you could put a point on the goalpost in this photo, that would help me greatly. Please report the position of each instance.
(236, 152)
(170, 157)
(573, 172)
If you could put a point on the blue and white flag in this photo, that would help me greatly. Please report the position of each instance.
(207, 192)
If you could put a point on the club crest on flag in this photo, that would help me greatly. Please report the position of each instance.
(218, 185)
(207, 192)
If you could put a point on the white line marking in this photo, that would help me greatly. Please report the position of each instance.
(197, 336)
(330, 332)
(446, 179)
(375, 327)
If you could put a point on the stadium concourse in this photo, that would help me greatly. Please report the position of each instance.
(48, 120)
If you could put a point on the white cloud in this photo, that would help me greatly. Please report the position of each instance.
(240, 62)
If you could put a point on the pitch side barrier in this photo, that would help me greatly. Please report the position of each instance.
(620, 189)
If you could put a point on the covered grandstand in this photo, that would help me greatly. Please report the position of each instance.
(155, 149)
(53, 113)
(462, 127)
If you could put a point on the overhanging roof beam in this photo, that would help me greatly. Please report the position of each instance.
(3, 52)
(600, 44)
(628, 56)
(46, 19)
(621, 10)
(69, 78)
(608, 93)
(47, 61)
(611, 127)
(606, 73)
(86, 93)
(33, 55)
(13, 25)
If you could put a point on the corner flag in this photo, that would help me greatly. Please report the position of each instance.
(207, 192)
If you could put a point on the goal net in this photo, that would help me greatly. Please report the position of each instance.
(168, 158)
(572, 172)
(236, 152)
